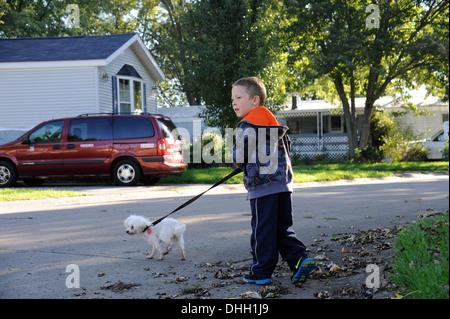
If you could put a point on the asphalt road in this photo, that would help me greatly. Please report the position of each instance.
(46, 245)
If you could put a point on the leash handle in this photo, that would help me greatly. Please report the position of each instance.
(235, 172)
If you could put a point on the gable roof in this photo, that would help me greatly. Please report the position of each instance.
(74, 51)
(61, 48)
(311, 107)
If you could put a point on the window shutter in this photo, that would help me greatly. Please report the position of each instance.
(144, 96)
(115, 99)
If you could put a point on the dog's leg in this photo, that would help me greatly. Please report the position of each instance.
(169, 245)
(160, 249)
(152, 253)
(180, 244)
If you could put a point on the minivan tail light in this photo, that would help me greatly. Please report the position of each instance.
(162, 147)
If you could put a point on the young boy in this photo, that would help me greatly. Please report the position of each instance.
(269, 182)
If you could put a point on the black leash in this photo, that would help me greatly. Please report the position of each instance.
(235, 172)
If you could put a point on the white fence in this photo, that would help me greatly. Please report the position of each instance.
(332, 146)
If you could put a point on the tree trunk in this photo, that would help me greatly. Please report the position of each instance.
(368, 107)
(349, 115)
(191, 98)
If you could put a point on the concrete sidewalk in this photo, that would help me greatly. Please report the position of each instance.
(41, 240)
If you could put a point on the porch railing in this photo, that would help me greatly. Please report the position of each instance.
(332, 146)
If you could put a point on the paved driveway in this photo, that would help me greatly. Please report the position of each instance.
(39, 239)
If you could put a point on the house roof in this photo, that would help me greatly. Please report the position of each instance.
(187, 113)
(309, 108)
(61, 48)
(73, 51)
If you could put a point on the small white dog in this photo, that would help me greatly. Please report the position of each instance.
(169, 230)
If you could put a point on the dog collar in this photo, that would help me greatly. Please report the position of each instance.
(148, 230)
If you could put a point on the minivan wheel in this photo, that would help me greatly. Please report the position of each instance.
(126, 173)
(8, 175)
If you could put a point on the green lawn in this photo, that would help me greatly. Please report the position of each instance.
(313, 173)
(421, 261)
(10, 194)
(302, 173)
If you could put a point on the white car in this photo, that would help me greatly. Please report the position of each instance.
(435, 146)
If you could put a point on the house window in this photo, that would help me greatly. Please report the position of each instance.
(336, 123)
(294, 127)
(130, 95)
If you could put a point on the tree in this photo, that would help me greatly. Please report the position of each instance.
(365, 48)
(231, 39)
(162, 28)
(31, 18)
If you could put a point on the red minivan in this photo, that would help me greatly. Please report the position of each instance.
(128, 148)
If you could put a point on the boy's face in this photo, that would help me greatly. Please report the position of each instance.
(242, 102)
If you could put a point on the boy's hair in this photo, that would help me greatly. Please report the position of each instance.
(255, 87)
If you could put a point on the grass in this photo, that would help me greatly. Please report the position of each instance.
(11, 194)
(313, 173)
(421, 264)
(302, 173)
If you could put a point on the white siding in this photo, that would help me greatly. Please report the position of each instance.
(425, 126)
(105, 86)
(31, 96)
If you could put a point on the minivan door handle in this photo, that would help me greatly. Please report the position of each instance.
(56, 147)
(70, 146)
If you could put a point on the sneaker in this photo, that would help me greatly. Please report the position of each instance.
(302, 270)
(252, 279)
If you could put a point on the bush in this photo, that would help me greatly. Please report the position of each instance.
(396, 143)
(370, 154)
(445, 152)
(400, 146)
(213, 152)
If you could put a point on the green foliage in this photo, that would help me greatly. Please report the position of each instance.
(213, 149)
(400, 145)
(421, 261)
(445, 155)
(393, 142)
(333, 41)
(370, 154)
(232, 39)
(29, 18)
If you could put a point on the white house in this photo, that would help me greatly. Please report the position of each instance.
(46, 78)
(317, 128)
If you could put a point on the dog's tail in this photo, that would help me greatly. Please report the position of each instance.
(179, 231)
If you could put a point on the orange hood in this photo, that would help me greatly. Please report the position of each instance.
(261, 116)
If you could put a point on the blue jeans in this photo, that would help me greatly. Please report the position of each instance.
(272, 233)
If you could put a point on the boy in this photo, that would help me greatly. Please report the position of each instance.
(269, 183)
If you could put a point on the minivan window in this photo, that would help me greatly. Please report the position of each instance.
(48, 133)
(440, 138)
(132, 127)
(168, 128)
(90, 129)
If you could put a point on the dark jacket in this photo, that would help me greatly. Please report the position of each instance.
(262, 152)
